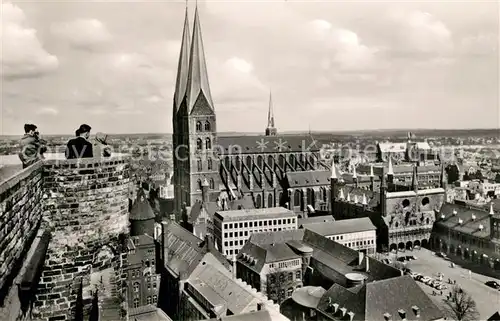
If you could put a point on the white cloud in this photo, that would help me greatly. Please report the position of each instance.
(47, 111)
(423, 32)
(22, 53)
(88, 34)
(240, 65)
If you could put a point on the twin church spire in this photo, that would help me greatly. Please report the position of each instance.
(192, 75)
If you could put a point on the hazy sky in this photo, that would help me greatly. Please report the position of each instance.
(331, 65)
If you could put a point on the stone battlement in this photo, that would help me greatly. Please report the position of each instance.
(84, 204)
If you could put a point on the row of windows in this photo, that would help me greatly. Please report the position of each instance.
(199, 143)
(150, 285)
(211, 184)
(149, 300)
(137, 273)
(286, 277)
(288, 264)
(199, 165)
(200, 126)
(310, 196)
(359, 243)
(246, 233)
(292, 159)
(258, 223)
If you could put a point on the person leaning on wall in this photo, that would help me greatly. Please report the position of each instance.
(80, 146)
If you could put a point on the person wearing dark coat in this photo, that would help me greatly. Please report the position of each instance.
(32, 146)
(80, 147)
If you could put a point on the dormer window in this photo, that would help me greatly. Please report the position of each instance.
(402, 313)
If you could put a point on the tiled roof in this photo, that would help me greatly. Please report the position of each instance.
(372, 198)
(260, 144)
(256, 213)
(366, 302)
(308, 178)
(316, 219)
(211, 208)
(141, 210)
(277, 237)
(342, 226)
(220, 289)
(263, 315)
(399, 293)
(468, 225)
(148, 313)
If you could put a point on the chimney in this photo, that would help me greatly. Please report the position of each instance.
(481, 227)
(460, 221)
(387, 317)
(260, 306)
(416, 310)
(402, 314)
(454, 212)
(443, 216)
(473, 217)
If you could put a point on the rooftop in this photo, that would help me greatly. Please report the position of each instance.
(464, 219)
(342, 227)
(256, 213)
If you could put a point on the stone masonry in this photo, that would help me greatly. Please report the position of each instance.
(86, 208)
(20, 216)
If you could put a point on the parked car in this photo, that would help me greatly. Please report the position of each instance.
(426, 279)
(493, 284)
(411, 257)
(387, 261)
(441, 254)
(401, 258)
(419, 277)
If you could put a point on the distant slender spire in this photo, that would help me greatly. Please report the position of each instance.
(197, 83)
(371, 170)
(348, 197)
(183, 66)
(270, 130)
(270, 113)
(341, 194)
(364, 201)
(492, 212)
(354, 175)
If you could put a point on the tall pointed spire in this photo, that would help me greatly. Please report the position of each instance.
(270, 130)
(183, 66)
(334, 171)
(270, 113)
(197, 82)
(492, 212)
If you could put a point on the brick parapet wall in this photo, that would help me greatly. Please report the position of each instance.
(86, 208)
(20, 216)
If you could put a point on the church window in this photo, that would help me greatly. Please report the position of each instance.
(200, 165)
(209, 164)
(282, 161)
(199, 144)
(323, 192)
(198, 126)
(207, 126)
(312, 160)
(296, 197)
(199, 184)
(270, 200)
(249, 162)
(290, 160)
(270, 161)
(212, 184)
(302, 159)
(208, 143)
(280, 196)
(136, 302)
(237, 163)
(260, 161)
(136, 287)
(258, 201)
(227, 161)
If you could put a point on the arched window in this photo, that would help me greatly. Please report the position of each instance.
(237, 163)
(227, 162)
(136, 302)
(209, 164)
(207, 126)
(298, 275)
(290, 276)
(136, 287)
(200, 165)
(208, 143)
(270, 200)
(199, 144)
(281, 161)
(249, 162)
(212, 184)
(296, 197)
(260, 161)
(291, 160)
(289, 292)
(280, 196)
(258, 201)
(199, 184)
(148, 300)
(270, 161)
(302, 159)
(312, 160)
(198, 126)
(310, 197)
(155, 298)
